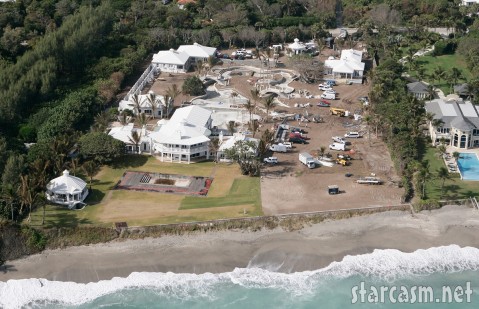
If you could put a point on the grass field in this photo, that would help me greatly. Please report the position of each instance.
(455, 188)
(230, 195)
(429, 63)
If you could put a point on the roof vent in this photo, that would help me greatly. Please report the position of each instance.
(172, 50)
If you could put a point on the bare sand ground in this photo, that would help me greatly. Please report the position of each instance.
(310, 248)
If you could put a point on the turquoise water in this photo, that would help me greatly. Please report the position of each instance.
(468, 164)
(330, 287)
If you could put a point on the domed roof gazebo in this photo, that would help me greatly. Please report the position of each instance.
(297, 47)
(66, 189)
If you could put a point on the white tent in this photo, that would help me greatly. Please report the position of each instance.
(297, 47)
(66, 189)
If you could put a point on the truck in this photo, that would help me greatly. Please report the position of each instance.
(328, 96)
(307, 159)
(278, 148)
(337, 146)
(337, 111)
(369, 180)
(271, 160)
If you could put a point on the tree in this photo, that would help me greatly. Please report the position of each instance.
(441, 150)
(26, 194)
(135, 99)
(152, 102)
(231, 126)
(268, 103)
(456, 155)
(250, 108)
(244, 153)
(193, 86)
(100, 147)
(322, 149)
(135, 139)
(90, 168)
(102, 121)
(423, 175)
(443, 175)
(142, 120)
(214, 147)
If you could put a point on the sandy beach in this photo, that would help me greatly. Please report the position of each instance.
(310, 248)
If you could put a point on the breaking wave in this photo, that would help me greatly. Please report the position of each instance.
(388, 265)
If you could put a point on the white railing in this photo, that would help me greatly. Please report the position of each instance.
(147, 76)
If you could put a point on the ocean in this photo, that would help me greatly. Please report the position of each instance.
(445, 277)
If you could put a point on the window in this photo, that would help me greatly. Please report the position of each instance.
(147, 111)
(475, 132)
(443, 130)
(180, 67)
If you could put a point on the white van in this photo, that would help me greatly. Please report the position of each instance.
(337, 146)
(352, 135)
(328, 96)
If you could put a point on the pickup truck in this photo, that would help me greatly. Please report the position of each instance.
(339, 139)
(271, 160)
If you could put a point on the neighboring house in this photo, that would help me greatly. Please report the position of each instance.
(197, 52)
(185, 136)
(229, 143)
(462, 90)
(455, 120)
(124, 134)
(349, 66)
(162, 110)
(172, 61)
(66, 190)
(469, 2)
(419, 90)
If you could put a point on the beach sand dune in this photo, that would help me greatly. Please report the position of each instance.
(310, 248)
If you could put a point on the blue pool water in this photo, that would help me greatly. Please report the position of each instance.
(468, 164)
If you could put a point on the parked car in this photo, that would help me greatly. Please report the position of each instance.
(323, 103)
(329, 96)
(271, 160)
(287, 145)
(325, 87)
(298, 135)
(352, 135)
(278, 148)
(330, 91)
(339, 139)
(295, 129)
(297, 140)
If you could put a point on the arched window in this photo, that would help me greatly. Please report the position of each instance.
(463, 141)
(456, 143)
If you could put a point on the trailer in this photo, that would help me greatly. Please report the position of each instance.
(307, 159)
(369, 180)
(278, 148)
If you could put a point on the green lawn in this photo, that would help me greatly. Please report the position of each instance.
(244, 191)
(429, 63)
(455, 188)
(229, 196)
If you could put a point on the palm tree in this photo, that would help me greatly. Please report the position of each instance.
(90, 168)
(268, 104)
(231, 126)
(142, 120)
(135, 139)
(166, 104)
(135, 99)
(423, 175)
(250, 108)
(443, 175)
(124, 119)
(441, 150)
(199, 67)
(439, 73)
(152, 102)
(102, 121)
(214, 147)
(322, 149)
(454, 75)
(456, 155)
(26, 194)
(173, 91)
(253, 126)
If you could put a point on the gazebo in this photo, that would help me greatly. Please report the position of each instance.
(66, 190)
(297, 47)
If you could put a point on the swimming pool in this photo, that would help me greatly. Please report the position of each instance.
(468, 164)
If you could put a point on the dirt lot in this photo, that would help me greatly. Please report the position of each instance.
(291, 186)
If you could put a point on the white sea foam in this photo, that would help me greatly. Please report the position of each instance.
(382, 264)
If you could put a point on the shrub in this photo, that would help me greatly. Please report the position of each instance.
(193, 86)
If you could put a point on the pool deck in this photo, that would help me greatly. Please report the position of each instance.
(450, 161)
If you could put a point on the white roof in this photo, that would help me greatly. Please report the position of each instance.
(187, 126)
(143, 98)
(352, 55)
(66, 184)
(229, 143)
(344, 66)
(170, 57)
(297, 45)
(197, 50)
(123, 133)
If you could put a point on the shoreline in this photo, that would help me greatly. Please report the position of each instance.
(312, 247)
